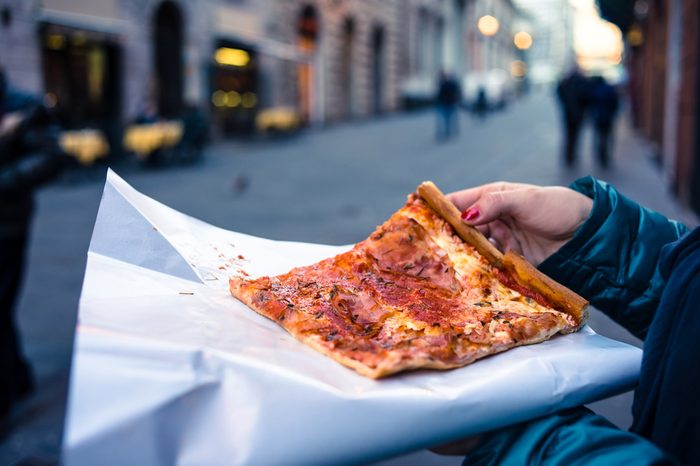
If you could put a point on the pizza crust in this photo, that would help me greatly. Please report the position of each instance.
(447, 210)
(560, 296)
(524, 273)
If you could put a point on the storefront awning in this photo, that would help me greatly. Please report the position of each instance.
(246, 27)
(102, 16)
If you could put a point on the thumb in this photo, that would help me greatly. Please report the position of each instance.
(494, 205)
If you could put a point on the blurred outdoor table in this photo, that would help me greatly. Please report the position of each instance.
(282, 119)
(86, 145)
(144, 139)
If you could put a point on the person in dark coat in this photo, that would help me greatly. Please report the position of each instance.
(572, 92)
(481, 103)
(29, 157)
(195, 134)
(604, 103)
(642, 270)
(448, 98)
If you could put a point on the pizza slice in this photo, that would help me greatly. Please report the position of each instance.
(424, 290)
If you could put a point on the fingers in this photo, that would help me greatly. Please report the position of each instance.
(531, 220)
(467, 197)
(484, 229)
(501, 235)
(495, 210)
(498, 205)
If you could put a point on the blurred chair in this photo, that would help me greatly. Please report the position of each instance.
(86, 145)
(151, 142)
(278, 120)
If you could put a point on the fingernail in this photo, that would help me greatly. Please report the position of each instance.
(470, 214)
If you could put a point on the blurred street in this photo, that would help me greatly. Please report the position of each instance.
(327, 186)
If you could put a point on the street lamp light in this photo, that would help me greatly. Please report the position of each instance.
(522, 40)
(488, 25)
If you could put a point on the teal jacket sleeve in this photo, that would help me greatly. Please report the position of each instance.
(571, 437)
(612, 260)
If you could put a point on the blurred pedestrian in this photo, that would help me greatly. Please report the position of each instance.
(195, 134)
(481, 104)
(29, 157)
(448, 98)
(147, 114)
(604, 103)
(572, 91)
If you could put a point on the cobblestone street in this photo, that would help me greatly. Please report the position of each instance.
(331, 185)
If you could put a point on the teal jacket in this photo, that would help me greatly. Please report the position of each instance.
(621, 259)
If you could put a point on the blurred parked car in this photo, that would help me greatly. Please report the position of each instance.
(497, 85)
(418, 91)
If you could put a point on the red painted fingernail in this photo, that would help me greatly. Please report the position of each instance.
(470, 214)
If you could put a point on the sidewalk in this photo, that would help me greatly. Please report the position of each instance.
(637, 175)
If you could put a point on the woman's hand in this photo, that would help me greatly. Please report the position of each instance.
(532, 220)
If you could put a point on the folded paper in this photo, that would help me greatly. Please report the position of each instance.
(168, 368)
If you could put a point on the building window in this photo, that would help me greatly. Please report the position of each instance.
(81, 75)
(234, 88)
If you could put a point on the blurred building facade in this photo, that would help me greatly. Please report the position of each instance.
(492, 49)
(433, 40)
(105, 62)
(663, 60)
(348, 57)
(552, 51)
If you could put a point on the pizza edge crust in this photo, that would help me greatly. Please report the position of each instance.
(524, 273)
(390, 365)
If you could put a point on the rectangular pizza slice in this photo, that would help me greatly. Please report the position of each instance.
(424, 290)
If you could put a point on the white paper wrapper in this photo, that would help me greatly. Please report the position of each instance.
(168, 368)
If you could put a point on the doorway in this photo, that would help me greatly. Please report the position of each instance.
(81, 71)
(307, 29)
(168, 45)
(377, 69)
(346, 68)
